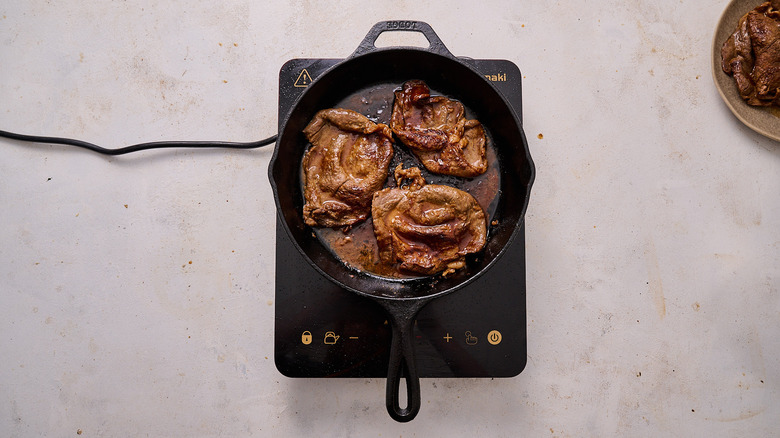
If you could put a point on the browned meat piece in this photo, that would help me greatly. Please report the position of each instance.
(426, 229)
(347, 163)
(752, 55)
(436, 130)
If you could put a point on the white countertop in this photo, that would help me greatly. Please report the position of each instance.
(138, 292)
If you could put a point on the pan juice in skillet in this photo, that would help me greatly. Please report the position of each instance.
(357, 246)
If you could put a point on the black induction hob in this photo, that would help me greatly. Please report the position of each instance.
(322, 330)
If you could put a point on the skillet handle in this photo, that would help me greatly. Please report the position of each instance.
(402, 359)
(436, 45)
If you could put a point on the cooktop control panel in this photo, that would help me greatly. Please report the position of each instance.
(322, 330)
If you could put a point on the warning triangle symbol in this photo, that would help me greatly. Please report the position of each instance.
(304, 79)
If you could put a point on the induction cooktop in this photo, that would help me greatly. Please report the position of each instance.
(322, 330)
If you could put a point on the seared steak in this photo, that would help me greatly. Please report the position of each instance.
(752, 55)
(347, 163)
(426, 229)
(436, 130)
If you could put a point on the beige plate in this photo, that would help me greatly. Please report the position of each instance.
(764, 120)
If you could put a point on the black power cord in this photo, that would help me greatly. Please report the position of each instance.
(137, 147)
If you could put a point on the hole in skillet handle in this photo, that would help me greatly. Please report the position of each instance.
(402, 39)
(368, 43)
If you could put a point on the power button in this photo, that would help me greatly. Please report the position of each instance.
(494, 337)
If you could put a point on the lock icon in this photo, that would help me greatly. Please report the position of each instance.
(330, 338)
(306, 338)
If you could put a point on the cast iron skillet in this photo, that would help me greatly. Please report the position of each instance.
(365, 69)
